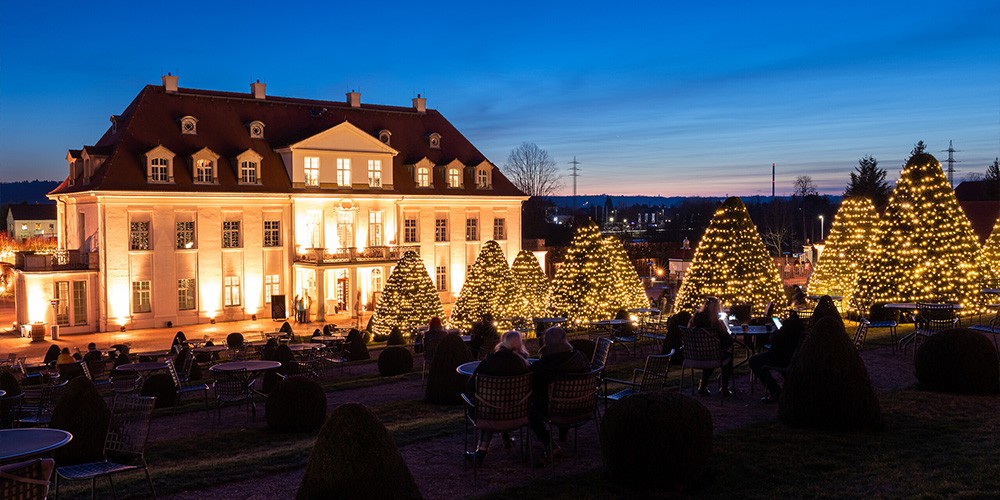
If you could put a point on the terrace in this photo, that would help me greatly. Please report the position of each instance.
(352, 255)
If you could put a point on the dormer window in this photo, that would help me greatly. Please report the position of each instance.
(435, 141)
(189, 125)
(483, 178)
(423, 177)
(249, 167)
(160, 165)
(205, 162)
(256, 129)
(384, 135)
(454, 177)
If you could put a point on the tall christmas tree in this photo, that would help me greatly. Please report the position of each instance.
(989, 258)
(731, 263)
(584, 284)
(487, 289)
(531, 287)
(925, 250)
(408, 298)
(628, 292)
(847, 247)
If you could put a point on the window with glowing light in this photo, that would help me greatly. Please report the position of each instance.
(375, 229)
(79, 302)
(312, 171)
(231, 234)
(410, 231)
(441, 229)
(204, 171)
(272, 233)
(231, 291)
(272, 286)
(375, 173)
(423, 177)
(248, 172)
(472, 229)
(159, 170)
(185, 234)
(138, 235)
(344, 172)
(454, 178)
(62, 303)
(185, 294)
(499, 228)
(483, 178)
(442, 278)
(141, 297)
(376, 280)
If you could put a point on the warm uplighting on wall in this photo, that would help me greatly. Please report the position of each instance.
(118, 300)
(253, 287)
(38, 301)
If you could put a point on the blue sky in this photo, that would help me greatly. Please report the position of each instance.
(671, 98)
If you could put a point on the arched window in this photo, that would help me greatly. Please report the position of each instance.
(423, 177)
(454, 178)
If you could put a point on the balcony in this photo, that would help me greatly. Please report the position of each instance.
(320, 256)
(59, 260)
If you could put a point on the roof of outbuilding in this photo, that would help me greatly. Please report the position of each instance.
(33, 211)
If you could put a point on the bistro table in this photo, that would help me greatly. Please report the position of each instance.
(152, 354)
(329, 338)
(253, 368)
(20, 443)
(469, 368)
(541, 324)
(208, 349)
(305, 346)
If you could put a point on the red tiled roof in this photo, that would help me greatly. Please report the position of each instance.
(152, 119)
(33, 211)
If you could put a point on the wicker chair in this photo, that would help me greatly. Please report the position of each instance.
(499, 405)
(601, 354)
(573, 403)
(652, 377)
(26, 480)
(38, 403)
(126, 439)
(232, 388)
(186, 387)
(931, 319)
(702, 350)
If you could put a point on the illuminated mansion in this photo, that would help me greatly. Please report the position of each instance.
(200, 205)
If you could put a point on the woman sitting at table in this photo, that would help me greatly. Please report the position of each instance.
(709, 318)
(509, 358)
(65, 358)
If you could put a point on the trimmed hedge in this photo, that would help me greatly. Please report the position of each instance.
(162, 386)
(355, 457)
(586, 347)
(296, 404)
(444, 384)
(827, 386)
(8, 383)
(656, 440)
(82, 412)
(825, 308)
(395, 337)
(395, 361)
(959, 361)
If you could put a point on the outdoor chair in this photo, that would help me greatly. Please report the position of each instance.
(10, 408)
(573, 403)
(499, 405)
(742, 313)
(601, 352)
(38, 403)
(186, 387)
(125, 382)
(232, 388)
(702, 351)
(654, 329)
(27, 480)
(124, 446)
(880, 316)
(652, 377)
(993, 329)
(861, 333)
(100, 384)
(931, 319)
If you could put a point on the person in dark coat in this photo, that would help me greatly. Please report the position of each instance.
(93, 355)
(784, 343)
(435, 332)
(509, 358)
(52, 355)
(179, 342)
(483, 336)
(708, 318)
(557, 358)
(672, 339)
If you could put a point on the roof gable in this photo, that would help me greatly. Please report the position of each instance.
(344, 137)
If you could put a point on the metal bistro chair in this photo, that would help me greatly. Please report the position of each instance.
(10, 408)
(601, 352)
(931, 319)
(702, 350)
(27, 480)
(573, 403)
(126, 440)
(186, 387)
(880, 316)
(499, 405)
(38, 403)
(652, 377)
(654, 329)
(861, 333)
(100, 384)
(232, 388)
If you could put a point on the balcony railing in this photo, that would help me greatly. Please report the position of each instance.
(354, 255)
(60, 260)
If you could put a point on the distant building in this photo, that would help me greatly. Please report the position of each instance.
(31, 221)
(198, 205)
(981, 204)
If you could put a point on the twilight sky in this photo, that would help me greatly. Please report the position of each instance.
(668, 98)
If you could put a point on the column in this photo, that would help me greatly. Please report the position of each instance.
(321, 295)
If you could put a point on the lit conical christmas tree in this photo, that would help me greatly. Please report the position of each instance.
(851, 236)
(531, 287)
(731, 263)
(925, 250)
(583, 286)
(628, 292)
(408, 298)
(487, 289)
(989, 258)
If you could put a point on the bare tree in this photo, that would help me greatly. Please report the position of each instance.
(532, 170)
(804, 186)
(776, 226)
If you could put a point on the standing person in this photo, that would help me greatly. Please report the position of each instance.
(509, 358)
(298, 309)
(557, 358)
(709, 318)
(306, 305)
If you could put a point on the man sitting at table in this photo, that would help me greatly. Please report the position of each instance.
(784, 342)
(93, 355)
(557, 358)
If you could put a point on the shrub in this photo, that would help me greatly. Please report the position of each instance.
(658, 439)
(825, 308)
(82, 412)
(296, 404)
(234, 340)
(8, 383)
(395, 361)
(355, 457)
(395, 337)
(357, 348)
(162, 386)
(960, 361)
(587, 347)
(827, 386)
(444, 384)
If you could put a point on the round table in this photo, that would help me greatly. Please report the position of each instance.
(20, 443)
(152, 354)
(469, 368)
(306, 346)
(143, 366)
(253, 368)
(209, 349)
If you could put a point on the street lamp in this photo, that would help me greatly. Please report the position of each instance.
(821, 237)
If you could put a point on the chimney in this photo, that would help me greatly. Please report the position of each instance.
(354, 99)
(257, 89)
(169, 83)
(420, 104)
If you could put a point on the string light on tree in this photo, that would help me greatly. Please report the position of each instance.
(408, 298)
(847, 247)
(925, 249)
(531, 287)
(488, 288)
(628, 291)
(584, 286)
(989, 258)
(731, 263)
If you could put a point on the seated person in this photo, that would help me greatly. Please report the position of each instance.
(483, 336)
(557, 358)
(672, 339)
(784, 342)
(93, 355)
(65, 358)
(509, 358)
(709, 319)
(51, 355)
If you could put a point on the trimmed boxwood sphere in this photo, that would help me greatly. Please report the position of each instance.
(444, 384)
(395, 361)
(959, 361)
(656, 440)
(355, 457)
(82, 412)
(296, 404)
